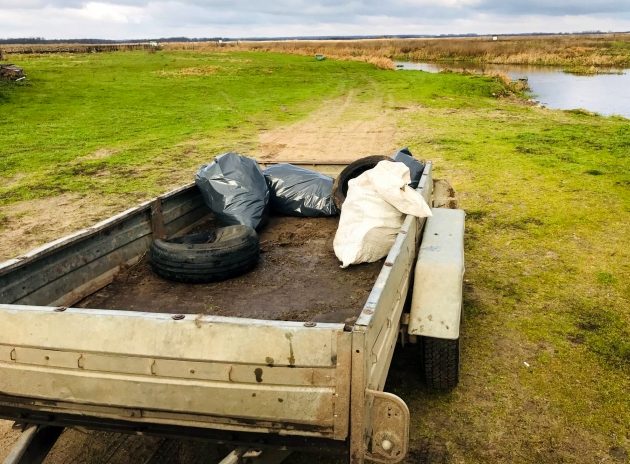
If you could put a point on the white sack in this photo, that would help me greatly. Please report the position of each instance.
(373, 213)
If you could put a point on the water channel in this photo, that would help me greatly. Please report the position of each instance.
(606, 94)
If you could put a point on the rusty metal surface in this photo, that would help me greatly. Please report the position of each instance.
(389, 425)
(150, 367)
(444, 195)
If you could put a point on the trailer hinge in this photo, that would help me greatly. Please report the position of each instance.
(157, 220)
(389, 424)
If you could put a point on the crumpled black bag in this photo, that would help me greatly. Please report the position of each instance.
(234, 188)
(415, 166)
(297, 191)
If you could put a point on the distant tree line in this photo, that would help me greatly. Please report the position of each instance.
(41, 40)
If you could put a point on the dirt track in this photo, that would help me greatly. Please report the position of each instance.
(341, 129)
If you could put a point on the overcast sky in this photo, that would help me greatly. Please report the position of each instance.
(127, 19)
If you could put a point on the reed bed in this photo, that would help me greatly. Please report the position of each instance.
(33, 49)
(568, 51)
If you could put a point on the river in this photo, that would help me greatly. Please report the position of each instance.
(606, 94)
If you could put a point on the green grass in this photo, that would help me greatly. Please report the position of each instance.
(547, 284)
(546, 194)
(138, 108)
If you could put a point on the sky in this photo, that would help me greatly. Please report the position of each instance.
(129, 19)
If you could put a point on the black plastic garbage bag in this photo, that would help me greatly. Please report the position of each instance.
(296, 191)
(415, 165)
(234, 188)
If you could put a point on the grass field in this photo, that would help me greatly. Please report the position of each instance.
(546, 337)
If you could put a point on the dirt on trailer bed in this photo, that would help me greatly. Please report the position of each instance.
(298, 278)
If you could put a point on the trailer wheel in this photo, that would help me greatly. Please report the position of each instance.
(354, 169)
(208, 256)
(440, 363)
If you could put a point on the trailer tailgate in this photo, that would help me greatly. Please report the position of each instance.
(192, 370)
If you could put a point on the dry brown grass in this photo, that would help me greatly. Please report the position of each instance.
(579, 52)
(31, 49)
(309, 48)
(587, 51)
(190, 72)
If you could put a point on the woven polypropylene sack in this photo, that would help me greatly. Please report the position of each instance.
(374, 211)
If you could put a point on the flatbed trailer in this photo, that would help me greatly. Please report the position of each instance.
(294, 354)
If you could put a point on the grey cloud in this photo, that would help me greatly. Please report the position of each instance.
(555, 8)
(238, 18)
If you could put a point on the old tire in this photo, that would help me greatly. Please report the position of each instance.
(221, 254)
(354, 169)
(440, 363)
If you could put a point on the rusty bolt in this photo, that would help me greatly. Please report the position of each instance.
(177, 317)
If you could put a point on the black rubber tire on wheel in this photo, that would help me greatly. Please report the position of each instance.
(440, 363)
(354, 169)
(221, 254)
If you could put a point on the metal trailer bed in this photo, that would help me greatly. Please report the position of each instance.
(293, 383)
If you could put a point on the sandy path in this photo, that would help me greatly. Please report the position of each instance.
(343, 129)
(32, 223)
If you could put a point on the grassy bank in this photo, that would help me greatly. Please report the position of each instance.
(546, 351)
(86, 122)
(584, 54)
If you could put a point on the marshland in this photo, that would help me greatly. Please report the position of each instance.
(546, 350)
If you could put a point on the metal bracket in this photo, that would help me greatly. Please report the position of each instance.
(34, 444)
(389, 424)
(157, 220)
(244, 455)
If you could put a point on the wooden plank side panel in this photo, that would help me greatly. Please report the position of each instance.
(69, 282)
(48, 275)
(29, 278)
